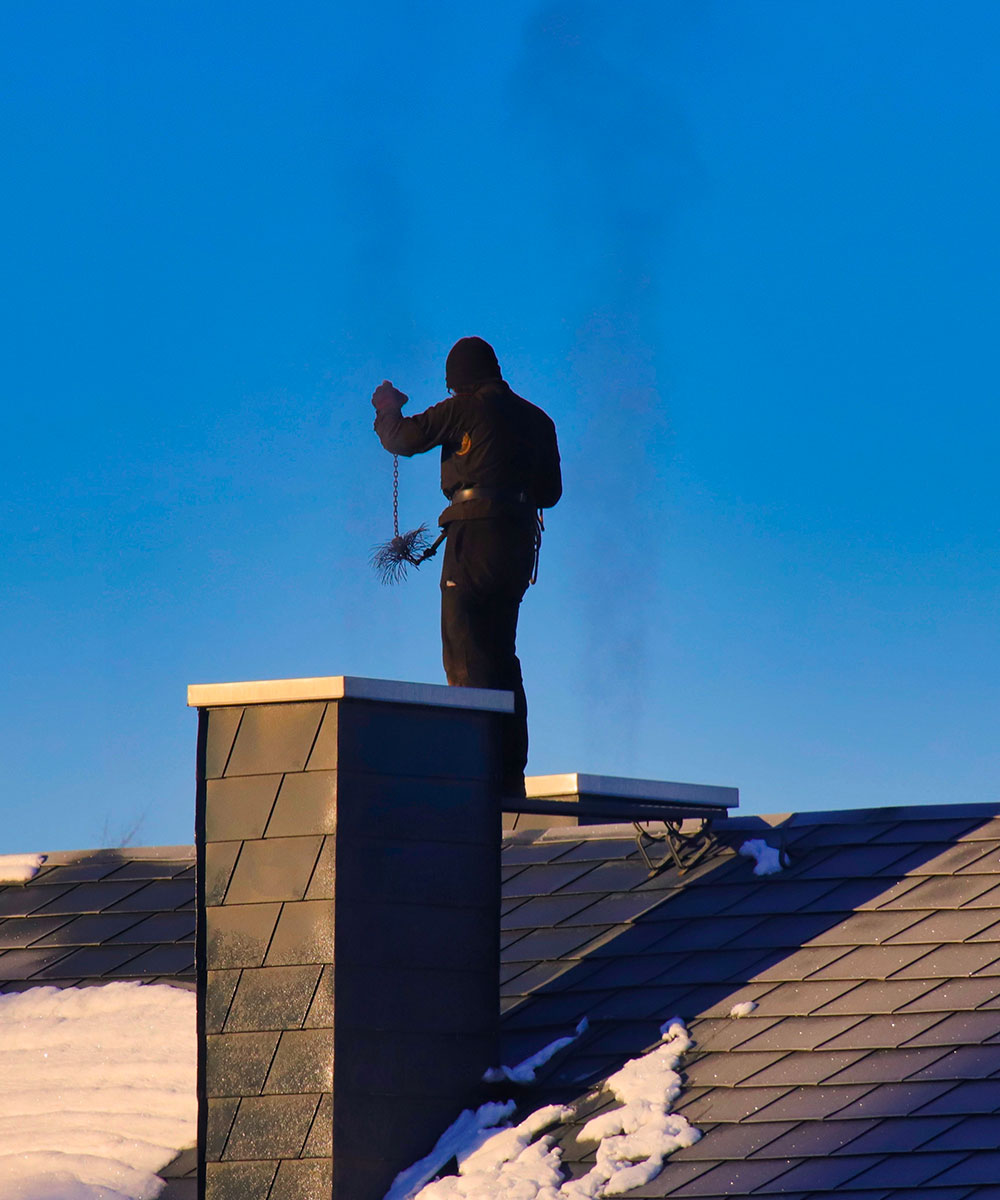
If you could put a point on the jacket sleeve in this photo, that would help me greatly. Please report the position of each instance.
(416, 434)
(548, 476)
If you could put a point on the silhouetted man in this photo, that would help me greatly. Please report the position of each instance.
(499, 466)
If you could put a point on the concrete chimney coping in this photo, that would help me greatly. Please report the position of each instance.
(555, 787)
(346, 687)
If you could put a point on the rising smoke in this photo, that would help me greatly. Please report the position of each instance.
(615, 163)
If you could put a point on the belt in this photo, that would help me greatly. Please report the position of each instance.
(507, 495)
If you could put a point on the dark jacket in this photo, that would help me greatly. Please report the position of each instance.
(489, 438)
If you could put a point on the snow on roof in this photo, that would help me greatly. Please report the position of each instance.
(871, 1061)
(97, 1090)
(100, 915)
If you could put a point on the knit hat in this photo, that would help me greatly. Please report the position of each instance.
(470, 361)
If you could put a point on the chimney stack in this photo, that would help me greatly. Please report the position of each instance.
(348, 835)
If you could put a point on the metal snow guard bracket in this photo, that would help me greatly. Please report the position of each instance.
(615, 798)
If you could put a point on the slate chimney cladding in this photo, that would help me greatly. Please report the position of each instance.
(348, 866)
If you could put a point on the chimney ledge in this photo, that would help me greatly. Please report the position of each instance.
(346, 687)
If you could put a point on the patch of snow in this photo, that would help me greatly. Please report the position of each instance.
(524, 1072)
(469, 1130)
(768, 857)
(511, 1162)
(97, 1090)
(743, 1009)
(20, 868)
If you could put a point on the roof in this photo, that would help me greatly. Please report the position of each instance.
(871, 1063)
(99, 915)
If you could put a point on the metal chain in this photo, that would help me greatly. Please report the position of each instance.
(395, 495)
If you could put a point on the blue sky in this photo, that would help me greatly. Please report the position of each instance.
(744, 253)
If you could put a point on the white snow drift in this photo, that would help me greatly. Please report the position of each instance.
(19, 868)
(768, 858)
(497, 1160)
(97, 1090)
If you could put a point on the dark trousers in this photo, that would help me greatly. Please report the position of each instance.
(486, 569)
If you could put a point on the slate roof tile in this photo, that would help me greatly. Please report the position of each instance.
(972, 1133)
(944, 829)
(91, 897)
(837, 835)
(966, 1098)
(614, 908)
(153, 868)
(601, 850)
(734, 1141)
(721, 966)
(90, 930)
(901, 1135)
(725, 1070)
(674, 1175)
(735, 1178)
(884, 895)
(961, 1029)
(942, 891)
(824, 1173)
(630, 1003)
(953, 925)
(889, 1066)
(952, 859)
(990, 899)
(872, 962)
(800, 998)
(648, 940)
(540, 975)
(159, 960)
(25, 964)
(727, 1034)
(805, 1067)
(160, 927)
(708, 1004)
(19, 901)
(708, 934)
(989, 830)
(542, 911)
(810, 961)
(733, 1104)
(558, 942)
(865, 929)
(992, 932)
(964, 1062)
(879, 996)
(92, 961)
(982, 992)
(802, 1033)
(906, 1170)
(605, 877)
(883, 1031)
(988, 864)
(894, 1100)
(522, 853)
(975, 1168)
(952, 960)
(162, 895)
(543, 880)
(19, 932)
(854, 861)
(626, 972)
(85, 870)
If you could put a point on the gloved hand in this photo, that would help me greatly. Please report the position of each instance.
(386, 398)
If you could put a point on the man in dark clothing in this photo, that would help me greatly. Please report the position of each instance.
(499, 465)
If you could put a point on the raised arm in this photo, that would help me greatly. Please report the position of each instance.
(409, 435)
